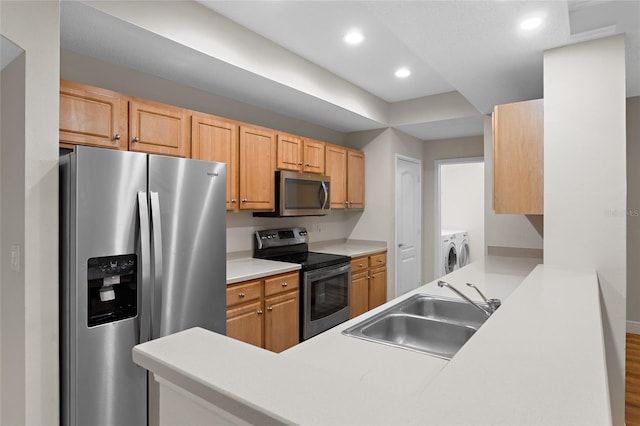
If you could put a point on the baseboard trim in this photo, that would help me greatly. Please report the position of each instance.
(633, 327)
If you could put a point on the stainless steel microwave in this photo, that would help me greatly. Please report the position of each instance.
(300, 194)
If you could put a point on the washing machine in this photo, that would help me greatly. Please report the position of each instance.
(449, 251)
(462, 241)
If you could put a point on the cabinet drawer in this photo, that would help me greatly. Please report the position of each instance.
(359, 264)
(281, 283)
(243, 292)
(376, 260)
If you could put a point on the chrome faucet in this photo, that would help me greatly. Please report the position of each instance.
(492, 304)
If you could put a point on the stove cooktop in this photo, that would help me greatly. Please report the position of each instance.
(311, 260)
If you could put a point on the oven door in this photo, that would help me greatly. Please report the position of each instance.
(325, 299)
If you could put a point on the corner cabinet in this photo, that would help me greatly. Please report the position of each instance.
(368, 283)
(92, 116)
(216, 139)
(265, 312)
(346, 169)
(518, 158)
(257, 167)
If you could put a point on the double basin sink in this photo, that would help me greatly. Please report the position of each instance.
(430, 324)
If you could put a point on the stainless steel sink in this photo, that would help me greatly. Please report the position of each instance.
(430, 324)
(450, 310)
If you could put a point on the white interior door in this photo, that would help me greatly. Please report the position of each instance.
(408, 224)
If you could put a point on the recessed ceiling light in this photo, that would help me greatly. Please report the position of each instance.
(529, 24)
(403, 72)
(353, 37)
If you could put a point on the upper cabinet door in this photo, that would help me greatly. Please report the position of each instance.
(92, 116)
(158, 128)
(518, 158)
(216, 139)
(257, 167)
(336, 168)
(313, 156)
(355, 179)
(289, 152)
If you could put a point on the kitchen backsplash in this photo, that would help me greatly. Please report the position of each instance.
(241, 226)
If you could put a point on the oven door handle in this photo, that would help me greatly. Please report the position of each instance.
(323, 185)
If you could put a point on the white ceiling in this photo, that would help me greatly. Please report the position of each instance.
(473, 47)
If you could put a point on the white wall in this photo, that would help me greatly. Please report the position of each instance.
(30, 196)
(507, 234)
(462, 202)
(585, 180)
(431, 152)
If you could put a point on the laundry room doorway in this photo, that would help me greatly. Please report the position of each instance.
(459, 213)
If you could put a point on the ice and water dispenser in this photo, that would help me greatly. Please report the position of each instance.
(112, 288)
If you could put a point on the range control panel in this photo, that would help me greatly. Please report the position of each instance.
(269, 238)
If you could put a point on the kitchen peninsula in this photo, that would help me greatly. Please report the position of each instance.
(538, 360)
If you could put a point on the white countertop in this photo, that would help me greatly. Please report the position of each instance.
(239, 270)
(538, 360)
(249, 268)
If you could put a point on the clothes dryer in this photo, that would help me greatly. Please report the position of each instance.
(462, 241)
(449, 251)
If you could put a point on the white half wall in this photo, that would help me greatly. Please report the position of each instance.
(31, 394)
(585, 181)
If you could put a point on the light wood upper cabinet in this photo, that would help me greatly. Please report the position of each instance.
(518, 155)
(313, 156)
(300, 155)
(257, 167)
(158, 128)
(355, 179)
(336, 168)
(92, 116)
(216, 139)
(289, 152)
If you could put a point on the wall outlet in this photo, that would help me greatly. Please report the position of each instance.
(15, 257)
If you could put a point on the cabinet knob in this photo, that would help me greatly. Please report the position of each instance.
(346, 204)
(259, 312)
(360, 265)
(307, 165)
(369, 277)
(241, 295)
(379, 260)
(136, 139)
(233, 201)
(244, 200)
(116, 137)
(269, 308)
(372, 276)
(299, 163)
(284, 284)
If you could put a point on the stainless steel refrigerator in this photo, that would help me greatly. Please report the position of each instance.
(143, 255)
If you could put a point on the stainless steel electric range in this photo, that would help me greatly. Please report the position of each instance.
(324, 278)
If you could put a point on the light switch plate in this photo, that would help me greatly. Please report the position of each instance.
(15, 258)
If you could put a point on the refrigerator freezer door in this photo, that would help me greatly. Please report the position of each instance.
(100, 383)
(191, 291)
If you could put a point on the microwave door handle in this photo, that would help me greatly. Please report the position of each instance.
(326, 194)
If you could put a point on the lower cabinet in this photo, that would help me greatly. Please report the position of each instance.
(265, 312)
(368, 283)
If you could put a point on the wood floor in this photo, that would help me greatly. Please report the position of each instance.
(632, 397)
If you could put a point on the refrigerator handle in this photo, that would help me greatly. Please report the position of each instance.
(145, 260)
(156, 230)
